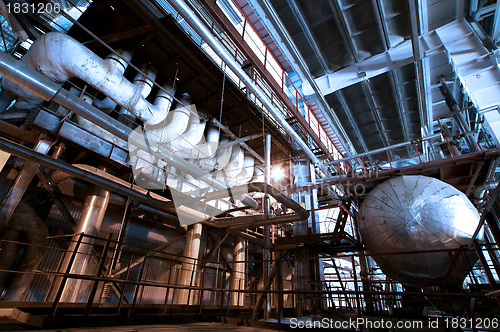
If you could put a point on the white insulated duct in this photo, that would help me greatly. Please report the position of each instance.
(166, 132)
(174, 125)
(233, 167)
(185, 143)
(60, 58)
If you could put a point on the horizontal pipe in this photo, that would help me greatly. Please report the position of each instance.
(237, 223)
(384, 149)
(60, 165)
(40, 85)
(43, 87)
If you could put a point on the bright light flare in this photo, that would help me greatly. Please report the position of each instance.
(277, 173)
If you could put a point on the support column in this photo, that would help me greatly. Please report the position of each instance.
(305, 270)
(267, 234)
(459, 118)
(238, 279)
(9, 203)
(89, 223)
(187, 275)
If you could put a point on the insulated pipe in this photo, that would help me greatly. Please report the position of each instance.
(481, 189)
(60, 58)
(246, 173)
(457, 115)
(236, 223)
(183, 144)
(234, 167)
(41, 86)
(238, 273)
(92, 215)
(188, 273)
(183, 9)
(384, 149)
(175, 123)
(206, 150)
(144, 85)
(24, 221)
(223, 156)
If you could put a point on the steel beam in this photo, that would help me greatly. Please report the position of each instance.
(415, 35)
(271, 21)
(307, 31)
(375, 113)
(23, 180)
(495, 34)
(344, 28)
(352, 122)
(395, 84)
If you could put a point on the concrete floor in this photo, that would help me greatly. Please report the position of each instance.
(199, 327)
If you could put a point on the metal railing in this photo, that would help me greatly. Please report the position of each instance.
(140, 276)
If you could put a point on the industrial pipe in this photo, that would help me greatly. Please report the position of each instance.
(187, 275)
(91, 217)
(481, 189)
(183, 9)
(40, 85)
(384, 149)
(60, 58)
(459, 118)
(242, 222)
(238, 273)
(57, 164)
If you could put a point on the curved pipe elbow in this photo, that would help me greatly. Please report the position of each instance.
(246, 173)
(176, 123)
(186, 144)
(60, 58)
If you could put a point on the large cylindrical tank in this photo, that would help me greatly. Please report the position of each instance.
(415, 213)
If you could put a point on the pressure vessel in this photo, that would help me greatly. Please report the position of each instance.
(418, 213)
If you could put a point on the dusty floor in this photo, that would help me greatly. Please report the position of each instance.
(200, 327)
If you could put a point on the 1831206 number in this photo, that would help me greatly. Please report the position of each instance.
(31, 8)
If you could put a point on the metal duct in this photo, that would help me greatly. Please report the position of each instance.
(234, 167)
(417, 213)
(60, 58)
(174, 125)
(24, 221)
(223, 156)
(186, 144)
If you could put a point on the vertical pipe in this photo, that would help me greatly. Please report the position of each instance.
(189, 261)
(237, 281)
(267, 211)
(459, 118)
(89, 223)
